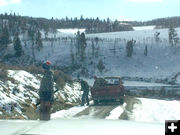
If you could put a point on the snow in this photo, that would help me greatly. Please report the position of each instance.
(24, 77)
(5, 98)
(116, 113)
(68, 113)
(151, 27)
(12, 92)
(153, 110)
(138, 83)
(70, 93)
(71, 31)
(142, 35)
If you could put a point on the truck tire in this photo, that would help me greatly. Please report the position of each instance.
(96, 102)
(121, 100)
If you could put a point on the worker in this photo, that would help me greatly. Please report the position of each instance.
(46, 92)
(85, 89)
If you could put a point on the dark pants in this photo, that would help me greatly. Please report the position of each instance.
(45, 110)
(85, 97)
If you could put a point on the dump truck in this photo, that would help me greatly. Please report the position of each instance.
(110, 90)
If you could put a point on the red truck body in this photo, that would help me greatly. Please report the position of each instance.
(113, 91)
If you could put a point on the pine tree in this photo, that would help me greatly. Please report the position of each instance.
(78, 43)
(39, 43)
(71, 53)
(4, 38)
(31, 34)
(100, 66)
(82, 46)
(114, 48)
(157, 37)
(145, 51)
(93, 48)
(173, 36)
(17, 46)
(129, 48)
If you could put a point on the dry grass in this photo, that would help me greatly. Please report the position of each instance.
(61, 78)
(3, 74)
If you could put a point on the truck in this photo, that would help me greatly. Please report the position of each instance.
(111, 91)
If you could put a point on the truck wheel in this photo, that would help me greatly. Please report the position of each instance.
(121, 101)
(96, 102)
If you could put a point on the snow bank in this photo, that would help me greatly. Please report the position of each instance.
(68, 113)
(152, 110)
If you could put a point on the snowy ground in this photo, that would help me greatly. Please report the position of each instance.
(151, 27)
(15, 93)
(71, 31)
(69, 113)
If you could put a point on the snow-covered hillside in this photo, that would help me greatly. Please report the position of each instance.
(162, 59)
(19, 95)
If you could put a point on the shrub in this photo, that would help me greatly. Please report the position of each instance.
(61, 78)
(129, 48)
(34, 69)
(100, 66)
(3, 75)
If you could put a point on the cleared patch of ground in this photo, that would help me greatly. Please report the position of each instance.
(128, 110)
(96, 112)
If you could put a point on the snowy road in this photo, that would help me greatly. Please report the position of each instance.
(99, 112)
(134, 109)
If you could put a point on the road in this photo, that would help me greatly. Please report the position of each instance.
(133, 109)
(104, 110)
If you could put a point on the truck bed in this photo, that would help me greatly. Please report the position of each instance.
(114, 92)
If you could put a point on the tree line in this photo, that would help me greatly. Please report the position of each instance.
(92, 25)
(166, 22)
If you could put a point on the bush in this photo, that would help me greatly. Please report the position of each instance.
(61, 78)
(100, 66)
(34, 69)
(8, 57)
(129, 48)
(3, 74)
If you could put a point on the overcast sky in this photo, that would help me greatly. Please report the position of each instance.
(139, 10)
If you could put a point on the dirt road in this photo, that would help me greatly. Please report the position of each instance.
(102, 111)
